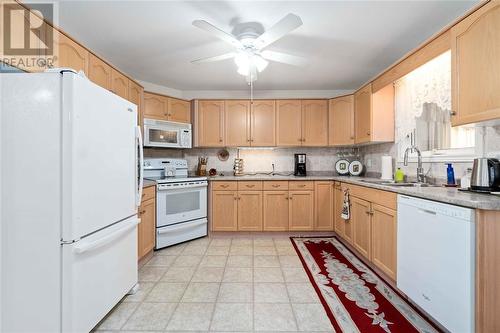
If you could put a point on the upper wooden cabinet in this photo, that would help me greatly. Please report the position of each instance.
(289, 122)
(302, 123)
(179, 110)
(119, 84)
(69, 53)
(314, 122)
(341, 121)
(99, 72)
(237, 123)
(262, 123)
(374, 114)
(155, 106)
(165, 108)
(209, 123)
(136, 95)
(363, 114)
(475, 71)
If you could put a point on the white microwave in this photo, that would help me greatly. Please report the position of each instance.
(167, 134)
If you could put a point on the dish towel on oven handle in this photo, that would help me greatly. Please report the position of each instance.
(346, 211)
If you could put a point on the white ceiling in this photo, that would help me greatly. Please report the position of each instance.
(345, 42)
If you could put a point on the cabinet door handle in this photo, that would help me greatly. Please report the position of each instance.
(453, 113)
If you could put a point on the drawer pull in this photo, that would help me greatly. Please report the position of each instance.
(250, 186)
(224, 186)
(275, 185)
(301, 185)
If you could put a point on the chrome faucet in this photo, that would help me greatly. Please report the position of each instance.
(420, 169)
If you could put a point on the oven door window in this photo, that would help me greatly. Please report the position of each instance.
(163, 136)
(182, 202)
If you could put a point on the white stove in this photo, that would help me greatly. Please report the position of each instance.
(181, 201)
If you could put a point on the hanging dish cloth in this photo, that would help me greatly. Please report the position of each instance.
(346, 211)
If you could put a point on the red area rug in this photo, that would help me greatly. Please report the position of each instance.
(355, 298)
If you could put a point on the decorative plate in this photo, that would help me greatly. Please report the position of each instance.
(342, 167)
(355, 168)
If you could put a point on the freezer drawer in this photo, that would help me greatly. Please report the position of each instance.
(181, 232)
(98, 271)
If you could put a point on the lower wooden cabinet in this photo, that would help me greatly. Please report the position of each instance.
(275, 210)
(323, 205)
(250, 210)
(224, 210)
(147, 226)
(372, 227)
(301, 210)
(384, 239)
(361, 222)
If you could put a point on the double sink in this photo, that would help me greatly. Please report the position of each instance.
(394, 184)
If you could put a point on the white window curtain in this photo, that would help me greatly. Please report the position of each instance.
(423, 104)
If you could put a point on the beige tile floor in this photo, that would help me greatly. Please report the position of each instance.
(222, 284)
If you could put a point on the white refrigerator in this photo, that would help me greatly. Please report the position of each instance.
(71, 182)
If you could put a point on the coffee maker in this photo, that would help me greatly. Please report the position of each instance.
(300, 165)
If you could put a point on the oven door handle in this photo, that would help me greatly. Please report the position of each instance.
(164, 187)
(182, 226)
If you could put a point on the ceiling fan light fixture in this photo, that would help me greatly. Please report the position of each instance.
(260, 62)
(242, 61)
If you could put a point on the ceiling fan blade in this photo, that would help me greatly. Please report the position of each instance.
(280, 29)
(204, 25)
(216, 58)
(283, 58)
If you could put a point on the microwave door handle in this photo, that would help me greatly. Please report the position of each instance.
(141, 167)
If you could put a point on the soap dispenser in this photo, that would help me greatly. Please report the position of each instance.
(450, 175)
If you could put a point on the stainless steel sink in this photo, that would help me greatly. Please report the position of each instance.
(388, 183)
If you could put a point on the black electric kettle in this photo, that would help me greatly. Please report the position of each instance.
(485, 175)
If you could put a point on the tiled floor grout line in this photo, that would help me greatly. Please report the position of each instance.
(286, 289)
(220, 285)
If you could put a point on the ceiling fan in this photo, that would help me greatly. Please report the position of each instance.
(250, 56)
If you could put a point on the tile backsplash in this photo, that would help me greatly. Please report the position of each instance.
(255, 160)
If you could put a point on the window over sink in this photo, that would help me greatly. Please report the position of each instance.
(423, 114)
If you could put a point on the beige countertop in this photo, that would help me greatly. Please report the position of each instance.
(148, 183)
(435, 193)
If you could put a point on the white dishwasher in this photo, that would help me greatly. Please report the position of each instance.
(436, 260)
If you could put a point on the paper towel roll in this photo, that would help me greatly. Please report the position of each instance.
(386, 167)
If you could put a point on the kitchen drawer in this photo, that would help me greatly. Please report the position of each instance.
(301, 185)
(224, 186)
(148, 193)
(279, 185)
(253, 185)
(381, 197)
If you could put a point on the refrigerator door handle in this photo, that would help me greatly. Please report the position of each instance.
(82, 246)
(141, 166)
